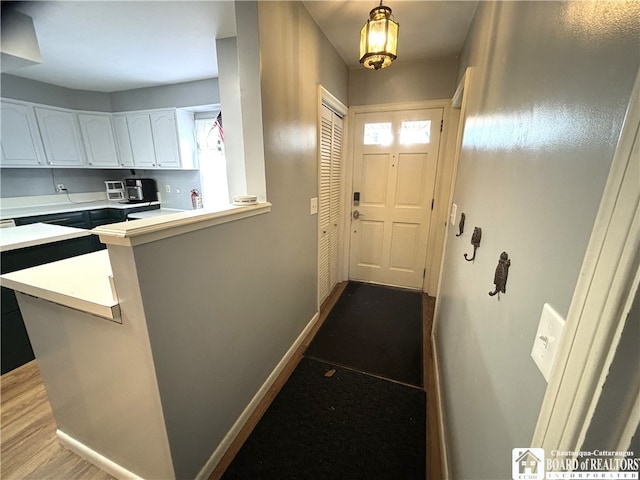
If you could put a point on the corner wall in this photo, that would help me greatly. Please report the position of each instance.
(251, 285)
(551, 84)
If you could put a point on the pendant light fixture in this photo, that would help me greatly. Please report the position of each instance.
(378, 39)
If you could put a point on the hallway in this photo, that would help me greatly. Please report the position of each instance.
(354, 406)
(30, 449)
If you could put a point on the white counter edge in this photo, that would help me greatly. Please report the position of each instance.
(110, 312)
(138, 232)
(93, 270)
(41, 241)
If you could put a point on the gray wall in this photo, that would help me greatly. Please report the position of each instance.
(404, 82)
(48, 94)
(187, 94)
(248, 288)
(548, 96)
(24, 182)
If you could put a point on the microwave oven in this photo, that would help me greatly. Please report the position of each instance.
(140, 190)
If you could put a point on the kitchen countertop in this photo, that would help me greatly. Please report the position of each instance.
(154, 213)
(13, 238)
(29, 211)
(84, 285)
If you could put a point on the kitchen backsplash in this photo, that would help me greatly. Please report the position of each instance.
(26, 182)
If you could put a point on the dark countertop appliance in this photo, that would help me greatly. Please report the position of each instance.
(140, 190)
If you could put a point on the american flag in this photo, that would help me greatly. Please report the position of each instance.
(218, 123)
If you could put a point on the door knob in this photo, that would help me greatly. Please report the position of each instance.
(356, 215)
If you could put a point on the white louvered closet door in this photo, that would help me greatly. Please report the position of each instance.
(329, 200)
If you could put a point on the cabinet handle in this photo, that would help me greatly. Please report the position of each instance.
(56, 220)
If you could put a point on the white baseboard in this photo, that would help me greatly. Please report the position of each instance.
(442, 439)
(253, 404)
(90, 455)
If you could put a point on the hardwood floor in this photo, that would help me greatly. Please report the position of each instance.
(29, 448)
(434, 455)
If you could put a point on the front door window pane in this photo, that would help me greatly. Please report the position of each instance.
(378, 133)
(415, 132)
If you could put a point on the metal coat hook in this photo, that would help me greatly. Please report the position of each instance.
(475, 241)
(502, 272)
(461, 224)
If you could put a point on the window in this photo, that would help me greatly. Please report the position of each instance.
(213, 166)
(378, 133)
(415, 132)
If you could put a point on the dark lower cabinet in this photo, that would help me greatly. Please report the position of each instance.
(14, 341)
(16, 348)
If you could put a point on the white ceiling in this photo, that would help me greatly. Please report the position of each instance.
(109, 46)
(428, 29)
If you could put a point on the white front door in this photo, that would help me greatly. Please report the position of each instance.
(394, 177)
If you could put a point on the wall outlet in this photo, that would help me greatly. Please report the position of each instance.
(167, 188)
(60, 188)
(313, 208)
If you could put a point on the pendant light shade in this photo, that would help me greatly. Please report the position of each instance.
(378, 39)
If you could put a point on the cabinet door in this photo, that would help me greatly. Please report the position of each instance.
(165, 139)
(123, 143)
(60, 137)
(99, 142)
(141, 138)
(21, 144)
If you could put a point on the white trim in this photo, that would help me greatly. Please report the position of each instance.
(389, 107)
(233, 432)
(463, 91)
(148, 230)
(607, 284)
(442, 439)
(91, 456)
(332, 101)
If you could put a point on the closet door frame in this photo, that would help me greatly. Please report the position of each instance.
(330, 101)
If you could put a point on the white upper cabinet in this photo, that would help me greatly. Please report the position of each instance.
(60, 137)
(21, 144)
(98, 138)
(123, 143)
(165, 139)
(144, 154)
(35, 135)
(162, 139)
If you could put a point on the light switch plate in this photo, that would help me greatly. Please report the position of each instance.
(548, 336)
(313, 206)
(454, 213)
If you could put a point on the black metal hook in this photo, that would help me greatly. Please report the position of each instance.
(475, 241)
(461, 224)
(501, 275)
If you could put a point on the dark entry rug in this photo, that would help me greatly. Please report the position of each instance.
(345, 426)
(376, 330)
